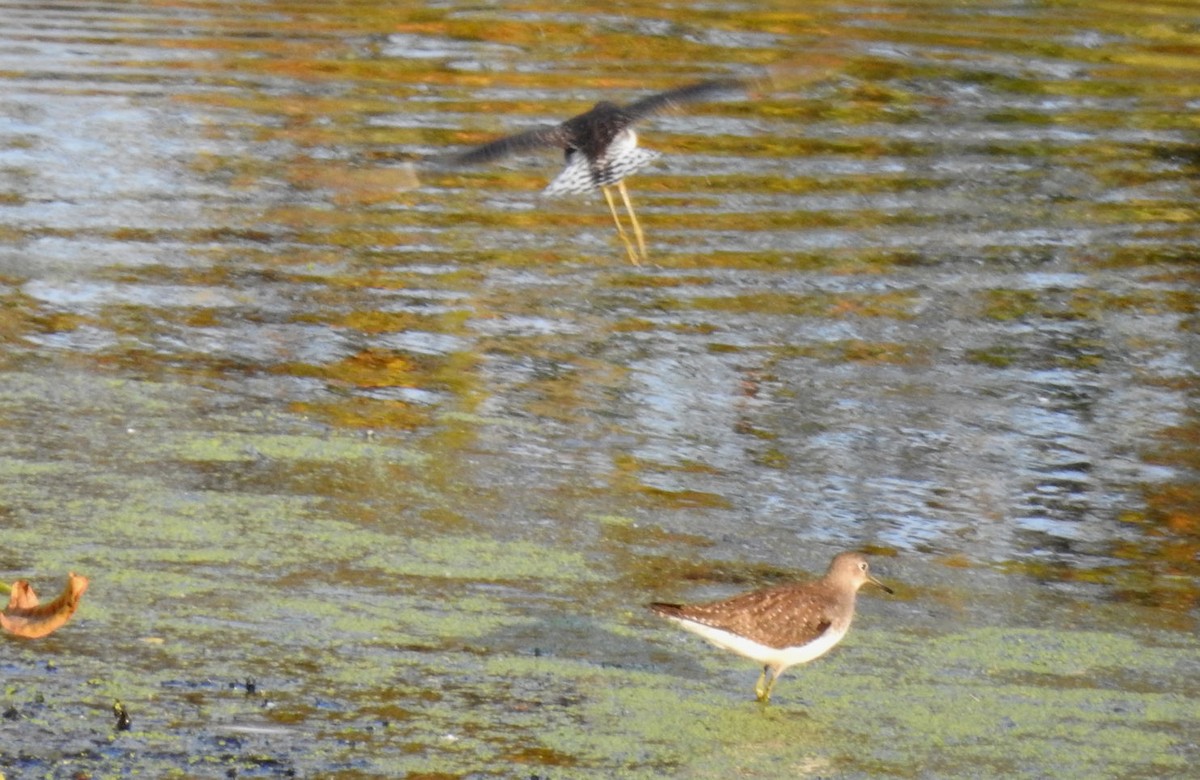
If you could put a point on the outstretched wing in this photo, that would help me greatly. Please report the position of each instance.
(673, 98)
(552, 136)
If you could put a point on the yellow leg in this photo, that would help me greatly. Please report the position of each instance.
(762, 688)
(620, 230)
(637, 229)
(762, 691)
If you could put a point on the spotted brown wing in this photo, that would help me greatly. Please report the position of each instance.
(786, 616)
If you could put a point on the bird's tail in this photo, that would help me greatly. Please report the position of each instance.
(666, 610)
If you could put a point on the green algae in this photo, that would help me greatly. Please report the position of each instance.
(997, 356)
(440, 642)
(677, 728)
(967, 697)
(951, 712)
(238, 446)
(893, 305)
(438, 635)
(488, 560)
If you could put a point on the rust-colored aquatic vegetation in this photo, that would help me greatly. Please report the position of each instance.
(25, 617)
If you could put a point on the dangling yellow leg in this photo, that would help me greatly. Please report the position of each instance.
(637, 229)
(620, 230)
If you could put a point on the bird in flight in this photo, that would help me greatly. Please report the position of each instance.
(601, 148)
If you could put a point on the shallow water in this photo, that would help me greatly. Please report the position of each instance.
(410, 459)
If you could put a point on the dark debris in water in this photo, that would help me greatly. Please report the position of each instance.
(123, 721)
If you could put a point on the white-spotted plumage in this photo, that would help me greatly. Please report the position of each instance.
(782, 626)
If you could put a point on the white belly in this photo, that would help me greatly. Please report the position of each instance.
(778, 659)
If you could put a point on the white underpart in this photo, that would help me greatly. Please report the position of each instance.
(576, 178)
(622, 158)
(777, 658)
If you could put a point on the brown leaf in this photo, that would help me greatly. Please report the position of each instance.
(25, 617)
(22, 596)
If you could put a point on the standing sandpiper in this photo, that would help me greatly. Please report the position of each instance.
(781, 626)
(601, 148)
